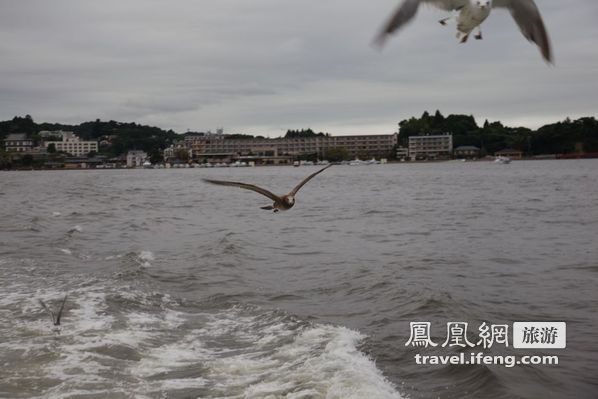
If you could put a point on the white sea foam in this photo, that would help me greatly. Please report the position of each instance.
(323, 361)
(66, 251)
(122, 341)
(144, 258)
(56, 214)
(320, 361)
(177, 355)
(76, 228)
(91, 313)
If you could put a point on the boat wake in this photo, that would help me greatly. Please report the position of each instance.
(119, 341)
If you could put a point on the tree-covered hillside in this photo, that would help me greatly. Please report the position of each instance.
(122, 136)
(558, 138)
(563, 137)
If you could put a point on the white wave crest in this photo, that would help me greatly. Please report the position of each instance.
(144, 258)
(76, 228)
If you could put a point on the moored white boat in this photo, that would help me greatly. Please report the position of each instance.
(502, 160)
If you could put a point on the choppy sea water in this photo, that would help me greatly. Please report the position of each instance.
(178, 289)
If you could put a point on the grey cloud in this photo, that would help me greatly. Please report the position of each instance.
(267, 65)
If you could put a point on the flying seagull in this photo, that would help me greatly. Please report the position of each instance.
(55, 316)
(282, 203)
(471, 14)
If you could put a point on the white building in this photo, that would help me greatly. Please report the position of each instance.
(431, 147)
(135, 159)
(73, 145)
(52, 133)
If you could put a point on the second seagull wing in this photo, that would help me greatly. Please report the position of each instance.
(528, 18)
(308, 178)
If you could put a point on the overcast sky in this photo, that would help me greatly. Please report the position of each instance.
(264, 66)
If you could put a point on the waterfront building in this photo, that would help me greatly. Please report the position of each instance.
(135, 159)
(176, 150)
(365, 146)
(18, 142)
(509, 153)
(431, 146)
(402, 153)
(467, 152)
(73, 145)
(82, 162)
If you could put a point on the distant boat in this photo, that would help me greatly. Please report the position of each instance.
(502, 160)
(359, 162)
(147, 165)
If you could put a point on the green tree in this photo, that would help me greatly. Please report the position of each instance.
(303, 133)
(96, 129)
(4, 160)
(182, 154)
(27, 160)
(336, 154)
(313, 157)
(155, 156)
(51, 148)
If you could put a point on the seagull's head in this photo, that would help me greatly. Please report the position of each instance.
(289, 200)
(483, 4)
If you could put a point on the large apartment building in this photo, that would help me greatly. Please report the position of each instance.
(73, 145)
(357, 146)
(431, 147)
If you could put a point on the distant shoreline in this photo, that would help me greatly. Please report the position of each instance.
(393, 162)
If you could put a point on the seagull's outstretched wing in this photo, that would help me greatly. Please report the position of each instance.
(527, 16)
(407, 11)
(404, 14)
(47, 309)
(308, 178)
(57, 321)
(55, 316)
(246, 186)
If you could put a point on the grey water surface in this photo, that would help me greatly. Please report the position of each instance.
(179, 289)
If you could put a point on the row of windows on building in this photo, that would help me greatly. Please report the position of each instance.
(354, 144)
